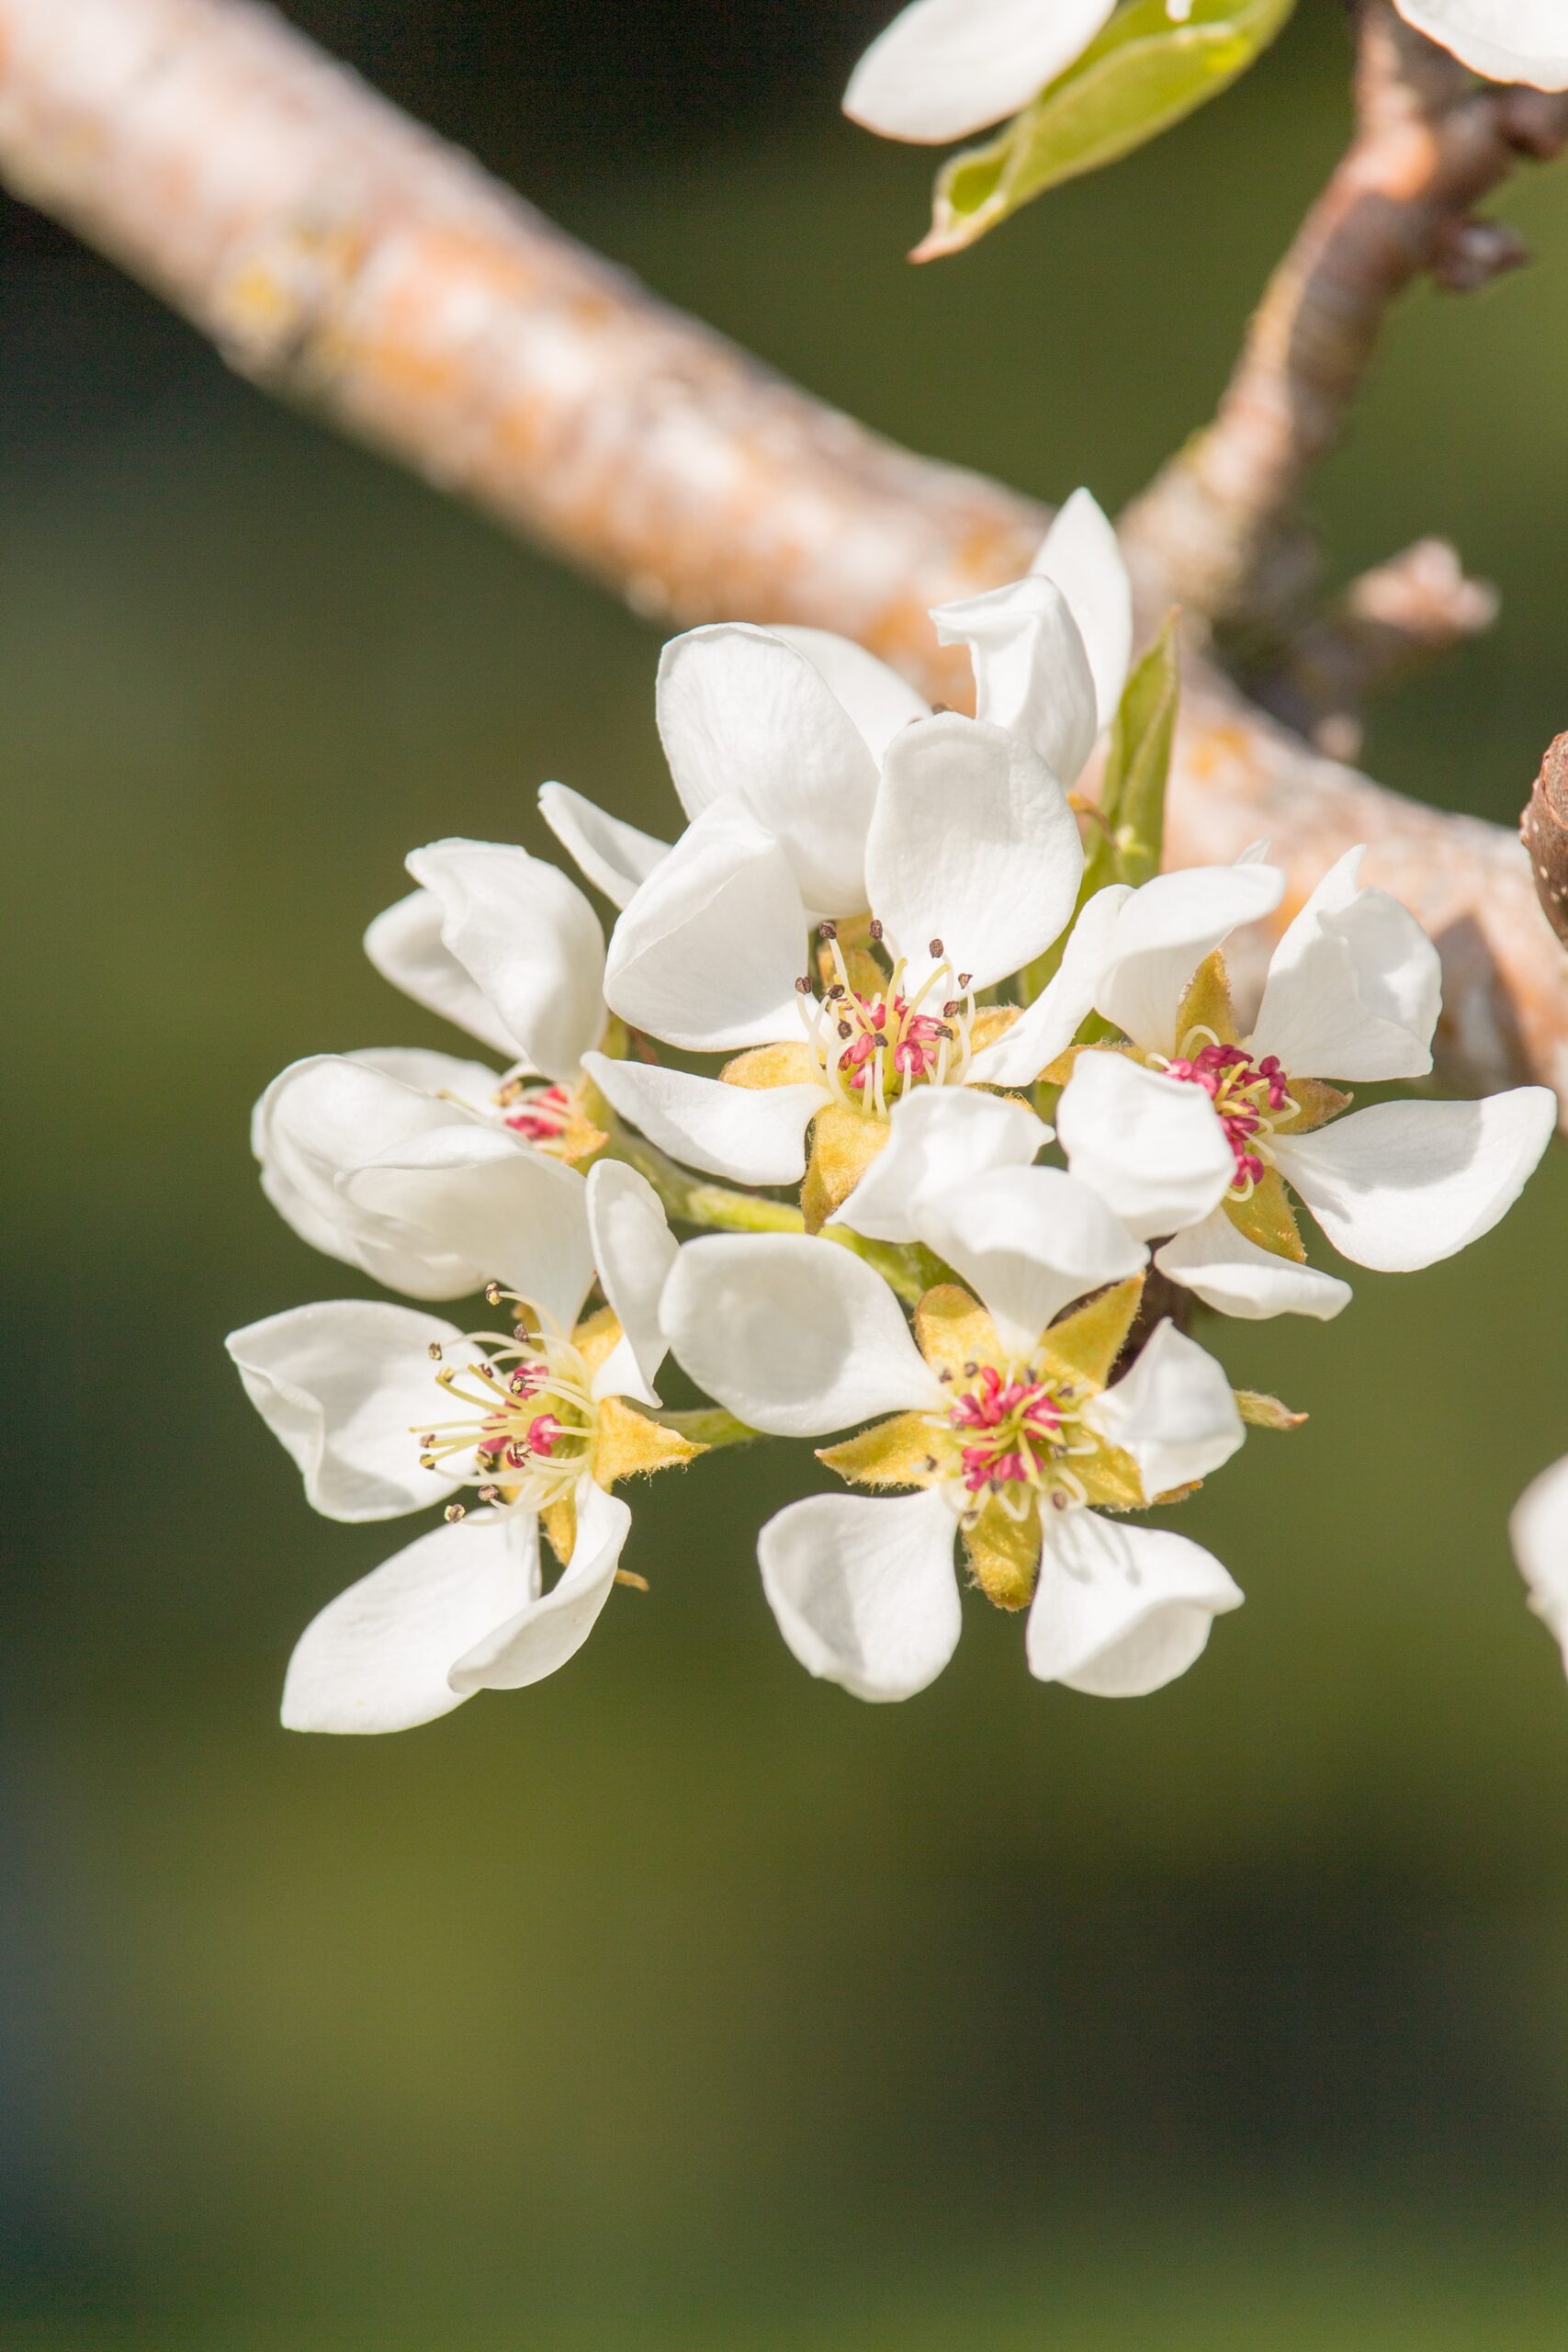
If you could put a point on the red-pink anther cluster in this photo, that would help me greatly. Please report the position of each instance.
(914, 1056)
(1010, 1413)
(1242, 1091)
(541, 1116)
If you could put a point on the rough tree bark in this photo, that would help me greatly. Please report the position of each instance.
(339, 254)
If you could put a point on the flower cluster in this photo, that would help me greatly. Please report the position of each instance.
(882, 941)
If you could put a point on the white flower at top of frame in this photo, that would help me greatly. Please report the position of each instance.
(1508, 41)
(361, 1393)
(1192, 1130)
(943, 68)
(1004, 1424)
(1539, 1527)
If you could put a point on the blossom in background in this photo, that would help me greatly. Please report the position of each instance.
(1192, 1128)
(943, 68)
(936, 854)
(1005, 1426)
(1508, 41)
(1539, 1530)
(387, 1410)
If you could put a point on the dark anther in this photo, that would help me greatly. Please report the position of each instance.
(970, 1370)
(937, 948)
(835, 992)
(803, 988)
(846, 1029)
(434, 1351)
(953, 1008)
(875, 929)
(965, 979)
(489, 1494)
(827, 930)
(455, 1511)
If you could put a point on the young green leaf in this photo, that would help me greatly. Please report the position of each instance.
(1141, 73)
(1132, 797)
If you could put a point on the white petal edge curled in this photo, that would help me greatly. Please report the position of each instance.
(528, 940)
(1174, 1413)
(1508, 41)
(1028, 1241)
(943, 68)
(1119, 1610)
(792, 1335)
(864, 1591)
(938, 1136)
(614, 856)
(539, 1637)
(1081, 553)
(1233, 1275)
(1047, 1028)
(405, 946)
(342, 1385)
(1163, 934)
(1032, 669)
(1405, 1184)
(1150, 1146)
(633, 1250)
(378, 1658)
(1354, 986)
(1539, 1528)
(973, 843)
(751, 1135)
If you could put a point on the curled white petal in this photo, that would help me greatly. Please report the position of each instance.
(548, 1629)
(1032, 668)
(614, 856)
(1122, 1611)
(792, 1335)
(1508, 41)
(633, 1250)
(528, 939)
(1173, 1412)
(342, 1385)
(943, 68)
(750, 1134)
(973, 843)
(878, 700)
(1538, 1526)
(864, 1591)
(378, 1658)
(1151, 1146)
(1028, 1241)
(708, 953)
(1047, 1027)
(404, 943)
(1354, 988)
(1163, 934)
(1081, 553)
(938, 1136)
(1233, 1275)
(1404, 1184)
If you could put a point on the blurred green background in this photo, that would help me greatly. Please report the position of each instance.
(681, 2001)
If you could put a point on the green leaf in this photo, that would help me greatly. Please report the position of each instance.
(1131, 794)
(1139, 75)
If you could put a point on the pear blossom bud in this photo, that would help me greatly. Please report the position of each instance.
(1543, 829)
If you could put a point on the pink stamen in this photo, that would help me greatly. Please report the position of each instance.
(541, 1116)
(1233, 1082)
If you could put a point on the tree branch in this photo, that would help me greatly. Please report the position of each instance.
(341, 254)
(1214, 529)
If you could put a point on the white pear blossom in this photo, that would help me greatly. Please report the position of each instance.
(1508, 41)
(1006, 1426)
(943, 68)
(389, 1411)
(1539, 1527)
(1192, 1129)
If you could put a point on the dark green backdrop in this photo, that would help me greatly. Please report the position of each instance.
(682, 2002)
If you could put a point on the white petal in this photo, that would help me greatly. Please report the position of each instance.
(1032, 669)
(751, 1135)
(938, 1137)
(528, 939)
(614, 855)
(708, 953)
(476, 1206)
(1152, 1146)
(1081, 553)
(1163, 934)
(549, 1629)
(1403, 1185)
(864, 1591)
(1508, 41)
(320, 1121)
(878, 700)
(1236, 1277)
(404, 943)
(944, 68)
(633, 1250)
(1173, 1412)
(1354, 986)
(1120, 1611)
(742, 711)
(1539, 1527)
(973, 843)
(792, 1335)
(1028, 1241)
(378, 1657)
(450, 1078)
(1047, 1027)
(343, 1384)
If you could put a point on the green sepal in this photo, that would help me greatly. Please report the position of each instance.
(1139, 75)
(1263, 1412)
